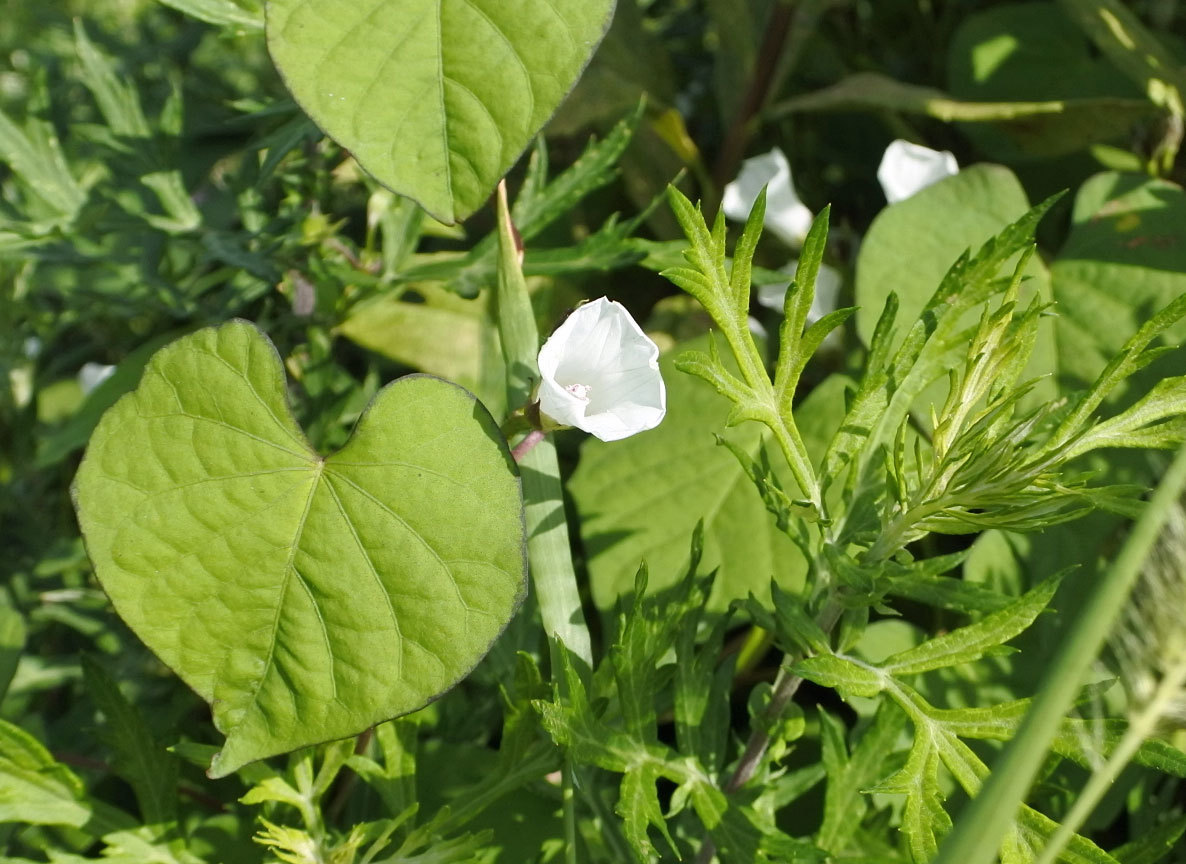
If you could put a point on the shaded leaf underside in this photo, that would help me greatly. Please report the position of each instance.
(436, 98)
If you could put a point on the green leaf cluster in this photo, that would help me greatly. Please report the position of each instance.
(665, 659)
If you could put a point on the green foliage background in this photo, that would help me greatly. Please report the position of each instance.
(156, 178)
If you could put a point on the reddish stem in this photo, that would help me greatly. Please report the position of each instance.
(525, 446)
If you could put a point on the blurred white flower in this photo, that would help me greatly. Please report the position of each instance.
(827, 289)
(599, 372)
(757, 328)
(91, 375)
(907, 168)
(786, 215)
(33, 347)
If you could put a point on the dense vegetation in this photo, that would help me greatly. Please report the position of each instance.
(898, 577)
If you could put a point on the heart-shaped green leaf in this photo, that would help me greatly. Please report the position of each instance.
(306, 598)
(435, 98)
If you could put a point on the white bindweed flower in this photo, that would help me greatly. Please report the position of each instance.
(786, 215)
(91, 375)
(599, 372)
(827, 289)
(908, 168)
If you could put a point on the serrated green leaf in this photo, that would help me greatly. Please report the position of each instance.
(1127, 361)
(935, 339)
(792, 357)
(969, 643)
(924, 821)
(435, 98)
(946, 592)
(794, 624)
(35, 789)
(139, 757)
(224, 540)
(35, 156)
(596, 167)
(910, 245)
(851, 775)
(1152, 846)
(139, 846)
(638, 805)
(702, 688)
(1032, 831)
(842, 673)
(678, 475)
(743, 254)
(221, 13)
(538, 205)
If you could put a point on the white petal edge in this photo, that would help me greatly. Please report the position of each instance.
(908, 168)
(786, 216)
(91, 375)
(828, 283)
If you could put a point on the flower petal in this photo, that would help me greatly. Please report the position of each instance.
(91, 375)
(786, 216)
(907, 168)
(828, 283)
(602, 353)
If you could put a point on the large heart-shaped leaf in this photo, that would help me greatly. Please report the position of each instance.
(436, 98)
(1124, 259)
(306, 598)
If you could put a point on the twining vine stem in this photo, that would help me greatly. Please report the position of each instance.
(786, 685)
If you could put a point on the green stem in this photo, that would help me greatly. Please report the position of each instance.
(795, 452)
(1139, 728)
(570, 819)
(548, 547)
(786, 685)
(986, 819)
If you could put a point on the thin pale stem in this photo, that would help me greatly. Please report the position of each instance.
(786, 685)
(985, 820)
(568, 799)
(1140, 727)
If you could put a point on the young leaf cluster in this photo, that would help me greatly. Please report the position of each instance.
(989, 462)
(984, 458)
(938, 739)
(665, 662)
